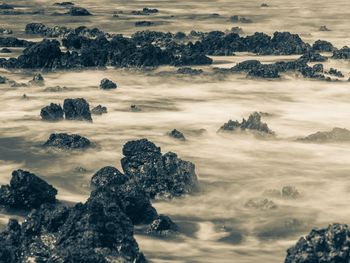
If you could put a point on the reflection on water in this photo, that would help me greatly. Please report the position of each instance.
(216, 225)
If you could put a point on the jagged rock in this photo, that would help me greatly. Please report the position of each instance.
(323, 46)
(106, 176)
(264, 71)
(146, 11)
(78, 11)
(99, 110)
(177, 135)
(335, 72)
(261, 204)
(253, 123)
(53, 112)
(335, 135)
(246, 66)
(107, 84)
(311, 72)
(343, 53)
(5, 50)
(163, 226)
(67, 141)
(14, 42)
(189, 71)
(324, 28)
(6, 31)
(159, 175)
(322, 245)
(26, 191)
(77, 109)
(144, 23)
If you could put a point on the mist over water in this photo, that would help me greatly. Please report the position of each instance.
(215, 224)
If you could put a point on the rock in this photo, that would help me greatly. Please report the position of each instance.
(317, 67)
(343, 53)
(64, 4)
(6, 6)
(78, 11)
(335, 135)
(264, 5)
(324, 28)
(240, 19)
(147, 10)
(176, 135)
(26, 191)
(2, 80)
(135, 108)
(323, 46)
(67, 141)
(313, 56)
(53, 112)
(158, 175)
(261, 204)
(290, 192)
(264, 71)
(144, 23)
(99, 110)
(253, 123)
(107, 84)
(37, 80)
(5, 50)
(335, 72)
(189, 71)
(246, 66)
(77, 109)
(55, 89)
(163, 226)
(322, 245)
(6, 31)
(106, 176)
(14, 42)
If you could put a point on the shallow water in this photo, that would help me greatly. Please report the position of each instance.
(232, 168)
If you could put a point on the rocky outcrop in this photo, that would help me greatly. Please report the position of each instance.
(343, 53)
(53, 112)
(158, 175)
(323, 46)
(329, 244)
(77, 109)
(144, 23)
(107, 84)
(335, 135)
(67, 141)
(335, 72)
(26, 191)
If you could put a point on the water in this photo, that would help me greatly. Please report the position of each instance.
(232, 169)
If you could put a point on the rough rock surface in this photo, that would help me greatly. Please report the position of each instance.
(53, 112)
(163, 226)
(159, 175)
(77, 109)
(26, 191)
(177, 135)
(106, 176)
(107, 84)
(67, 141)
(99, 110)
(335, 135)
(322, 245)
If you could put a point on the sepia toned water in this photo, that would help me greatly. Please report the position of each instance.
(215, 224)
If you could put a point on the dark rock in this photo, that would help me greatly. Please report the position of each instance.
(37, 80)
(322, 245)
(163, 226)
(147, 10)
(65, 4)
(14, 42)
(26, 191)
(335, 135)
(159, 175)
(144, 23)
(343, 53)
(107, 84)
(261, 204)
(135, 108)
(317, 67)
(99, 110)
(2, 80)
(189, 71)
(78, 11)
(6, 31)
(335, 72)
(264, 71)
(313, 56)
(264, 5)
(285, 43)
(77, 109)
(106, 176)
(67, 141)
(53, 112)
(253, 123)
(324, 28)
(6, 6)
(5, 50)
(176, 135)
(240, 19)
(246, 66)
(41, 29)
(323, 46)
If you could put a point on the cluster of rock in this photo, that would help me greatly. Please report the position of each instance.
(335, 135)
(101, 229)
(73, 109)
(253, 123)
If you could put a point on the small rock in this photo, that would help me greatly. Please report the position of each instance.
(335, 135)
(6, 31)
(189, 71)
(5, 50)
(78, 11)
(99, 110)
(177, 135)
(324, 28)
(107, 84)
(67, 141)
(143, 23)
(135, 108)
(2, 80)
(262, 204)
(53, 112)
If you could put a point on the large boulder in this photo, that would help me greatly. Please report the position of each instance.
(52, 112)
(77, 109)
(26, 191)
(67, 141)
(158, 175)
(329, 244)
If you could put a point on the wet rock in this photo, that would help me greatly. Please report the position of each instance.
(37, 80)
(335, 135)
(322, 245)
(77, 109)
(311, 72)
(189, 71)
(324, 28)
(53, 112)
(26, 191)
(264, 71)
(264, 5)
(78, 11)
(6, 6)
(323, 46)
(41, 29)
(240, 19)
(144, 23)
(335, 72)
(2, 80)
(163, 226)
(313, 56)
(147, 10)
(64, 4)
(343, 53)
(99, 110)
(176, 135)
(107, 84)
(253, 123)
(5, 50)
(67, 141)
(285, 43)
(55, 89)
(261, 204)
(6, 31)
(135, 108)
(106, 176)
(159, 175)
(246, 66)
(14, 42)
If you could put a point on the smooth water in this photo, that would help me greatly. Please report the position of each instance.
(216, 225)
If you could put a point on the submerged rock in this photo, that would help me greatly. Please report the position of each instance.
(335, 135)
(177, 135)
(163, 226)
(324, 28)
(322, 245)
(65, 4)
(189, 71)
(26, 191)
(144, 23)
(262, 204)
(99, 110)
(240, 19)
(158, 175)
(37, 80)
(77, 109)
(2, 80)
(53, 112)
(6, 6)
(6, 31)
(67, 141)
(107, 84)
(78, 11)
